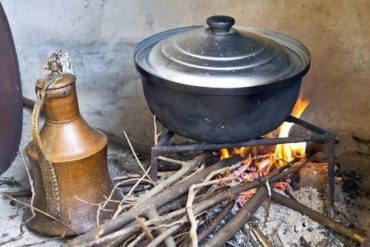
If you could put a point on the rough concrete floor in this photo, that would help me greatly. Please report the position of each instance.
(11, 215)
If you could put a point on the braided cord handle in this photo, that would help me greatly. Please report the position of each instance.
(50, 180)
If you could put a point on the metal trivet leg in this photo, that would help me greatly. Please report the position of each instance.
(157, 150)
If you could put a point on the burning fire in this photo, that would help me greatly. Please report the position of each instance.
(287, 152)
(258, 161)
(283, 152)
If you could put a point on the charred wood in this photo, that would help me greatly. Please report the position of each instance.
(215, 221)
(239, 220)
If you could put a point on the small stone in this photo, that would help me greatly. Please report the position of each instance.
(314, 175)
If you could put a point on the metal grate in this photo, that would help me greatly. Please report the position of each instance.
(317, 135)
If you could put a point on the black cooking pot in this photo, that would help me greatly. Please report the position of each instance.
(10, 96)
(219, 84)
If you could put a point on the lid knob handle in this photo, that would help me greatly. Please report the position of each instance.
(53, 64)
(220, 23)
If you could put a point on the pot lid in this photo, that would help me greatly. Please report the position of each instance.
(220, 56)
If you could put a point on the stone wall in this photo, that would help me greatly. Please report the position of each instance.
(100, 36)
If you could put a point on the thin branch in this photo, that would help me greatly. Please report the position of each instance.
(189, 206)
(136, 240)
(16, 238)
(43, 242)
(145, 229)
(39, 211)
(120, 205)
(215, 221)
(193, 191)
(260, 236)
(178, 162)
(19, 193)
(156, 134)
(169, 242)
(161, 237)
(137, 158)
(239, 220)
(164, 197)
(32, 187)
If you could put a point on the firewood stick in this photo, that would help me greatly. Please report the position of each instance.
(354, 234)
(165, 234)
(157, 201)
(215, 198)
(239, 220)
(215, 221)
(186, 167)
(174, 205)
(19, 193)
(190, 211)
(116, 237)
(260, 236)
(169, 242)
(250, 236)
(222, 194)
(165, 196)
(191, 196)
(145, 228)
(136, 240)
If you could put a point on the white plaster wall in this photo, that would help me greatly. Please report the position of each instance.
(100, 36)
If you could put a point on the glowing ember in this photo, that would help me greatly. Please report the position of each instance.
(259, 161)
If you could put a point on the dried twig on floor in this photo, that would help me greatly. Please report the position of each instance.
(32, 187)
(11, 182)
(239, 220)
(39, 211)
(19, 193)
(16, 238)
(215, 221)
(145, 229)
(110, 230)
(219, 196)
(105, 203)
(267, 210)
(136, 158)
(260, 236)
(192, 193)
(136, 240)
(189, 207)
(354, 234)
(146, 203)
(43, 242)
(248, 233)
(121, 205)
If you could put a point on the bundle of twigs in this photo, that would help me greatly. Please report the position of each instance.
(171, 207)
(170, 212)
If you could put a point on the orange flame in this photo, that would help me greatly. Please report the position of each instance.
(283, 152)
(224, 153)
(287, 152)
